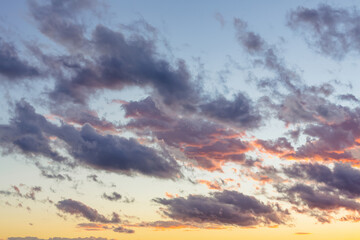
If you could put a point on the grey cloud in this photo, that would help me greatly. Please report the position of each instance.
(331, 31)
(30, 132)
(123, 230)
(57, 20)
(12, 67)
(79, 209)
(317, 198)
(227, 207)
(343, 178)
(240, 112)
(119, 62)
(113, 197)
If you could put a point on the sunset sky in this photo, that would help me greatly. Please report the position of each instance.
(179, 120)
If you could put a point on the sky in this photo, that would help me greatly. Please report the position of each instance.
(179, 120)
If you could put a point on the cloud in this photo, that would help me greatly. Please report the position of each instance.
(211, 185)
(12, 67)
(93, 226)
(113, 197)
(123, 230)
(56, 238)
(220, 18)
(251, 41)
(343, 178)
(101, 227)
(30, 132)
(76, 115)
(81, 210)
(267, 57)
(94, 178)
(240, 112)
(117, 62)
(57, 20)
(318, 198)
(348, 97)
(224, 208)
(278, 146)
(18, 191)
(168, 225)
(209, 144)
(331, 141)
(331, 31)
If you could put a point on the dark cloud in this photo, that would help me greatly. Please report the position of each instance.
(343, 178)
(12, 67)
(146, 114)
(210, 144)
(305, 107)
(94, 178)
(123, 230)
(332, 31)
(57, 20)
(30, 132)
(240, 112)
(266, 56)
(25, 131)
(113, 197)
(80, 115)
(331, 141)
(52, 172)
(349, 97)
(52, 175)
(317, 198)
(81, 210)
(118, 62)
(227, 207)
(251, 41)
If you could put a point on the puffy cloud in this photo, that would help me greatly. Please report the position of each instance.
(227, 207)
